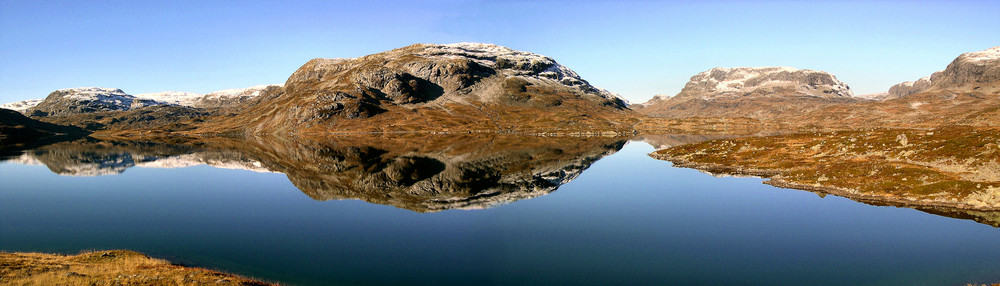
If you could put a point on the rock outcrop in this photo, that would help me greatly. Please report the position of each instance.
(969, 72)
(908, 88)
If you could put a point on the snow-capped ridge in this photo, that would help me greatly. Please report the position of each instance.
(252, 91)
(173, 97)
(95, 93)
(516, 63)
(990, 54)
(973, 71)
(738, 81)
(69, 101)
(21, 106)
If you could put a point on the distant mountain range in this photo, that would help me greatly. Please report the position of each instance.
(425, 87)
(474, 87)
(967, 92)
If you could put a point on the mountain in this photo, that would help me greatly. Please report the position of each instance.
(430, 87)
(969, 72)
(759, 93)
(232, 97)
(172, 97)
(966, 92)
(73, 101)
(215, 99)
(111, 110)
(21, 106)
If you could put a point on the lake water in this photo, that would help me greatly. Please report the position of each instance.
(470, 211)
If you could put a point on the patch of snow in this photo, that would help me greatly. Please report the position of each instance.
(111, 98)
(172, 97)
(25, 159)
(515, 63)
(252, 91)
(21, 106)
(609, 94)
(189, 160)
(733, 80)
(985, 55)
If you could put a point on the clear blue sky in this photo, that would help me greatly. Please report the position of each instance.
(637, 49)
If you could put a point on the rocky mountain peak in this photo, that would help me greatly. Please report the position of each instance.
(908, 88)
(453, 68)
(988, 55)
(511, 62)
(764, 81)
(969, 72)
(87, 99)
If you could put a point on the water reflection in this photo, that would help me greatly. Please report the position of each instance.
(419, 173)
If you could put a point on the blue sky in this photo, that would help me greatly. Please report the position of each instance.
(637, 49)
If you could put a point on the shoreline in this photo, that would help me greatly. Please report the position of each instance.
(773, 178)
(108, 267)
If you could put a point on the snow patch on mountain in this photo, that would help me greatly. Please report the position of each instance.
(190, 160)
(742, 80)
(253, 91)
(21, 106)
(516, 63)
(763, 81)
(655, 99)
(974, 71)
(173, 97)
(109, 98)
(990, 54)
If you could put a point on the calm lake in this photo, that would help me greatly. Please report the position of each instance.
(473, 210)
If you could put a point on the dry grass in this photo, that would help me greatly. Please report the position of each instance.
(115, 267)
(952, 167)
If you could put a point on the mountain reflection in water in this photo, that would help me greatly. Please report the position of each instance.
(418, 173)
(421, 173)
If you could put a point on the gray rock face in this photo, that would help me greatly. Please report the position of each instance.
(431, 87)
(424, 72)
(763, 81)
(970, 72)
(908, 88)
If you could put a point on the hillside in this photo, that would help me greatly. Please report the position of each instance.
(15, 128)
(428, 87)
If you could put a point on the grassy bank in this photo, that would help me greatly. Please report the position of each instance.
(115, 267)
(947, 167)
